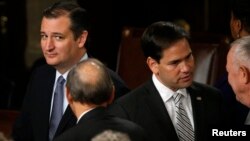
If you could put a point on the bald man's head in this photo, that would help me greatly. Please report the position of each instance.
(89, 82)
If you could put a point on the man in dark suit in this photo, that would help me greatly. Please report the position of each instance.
(64, 32)
(89, 89)
(152, 105)
(239, 27)
(238, 72)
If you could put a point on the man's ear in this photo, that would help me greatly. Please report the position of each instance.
(82, 39)
(244, 74)
(153, 65)
(68, 95)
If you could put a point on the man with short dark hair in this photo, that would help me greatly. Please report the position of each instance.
(45, 113)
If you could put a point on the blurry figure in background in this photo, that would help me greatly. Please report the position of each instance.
(4, 138)
(183, 23)
(240, 18)
(240, 27)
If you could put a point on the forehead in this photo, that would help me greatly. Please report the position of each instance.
(52, 24)
(230, 56)
(179, 48)
(232, 50)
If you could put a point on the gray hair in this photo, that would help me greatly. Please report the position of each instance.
(242, 51)
(90, 82)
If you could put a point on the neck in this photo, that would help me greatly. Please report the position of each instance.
(79, 108)
(64, 67)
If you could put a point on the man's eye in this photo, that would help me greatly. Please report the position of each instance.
(43, 36)
(174, 63)
(58, 37)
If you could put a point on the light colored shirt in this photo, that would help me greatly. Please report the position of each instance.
(167, 97)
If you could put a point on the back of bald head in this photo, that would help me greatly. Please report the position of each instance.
(90, 82)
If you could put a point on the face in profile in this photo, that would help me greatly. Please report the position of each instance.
(236, 78)
(175, 69)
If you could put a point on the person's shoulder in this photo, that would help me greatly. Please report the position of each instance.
(135, 131)
(43, 71)
(43, 68)
(121, 87)
(206, 91)
(128, 124)
(136, 92)
(133, 98)
(201, 86)
(115, 77)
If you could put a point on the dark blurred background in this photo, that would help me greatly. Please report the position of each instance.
(19, 36)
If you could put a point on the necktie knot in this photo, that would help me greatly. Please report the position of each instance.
(61, 80)
(177, 99)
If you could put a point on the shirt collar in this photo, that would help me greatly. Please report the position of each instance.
(58, 74)
(165, 92)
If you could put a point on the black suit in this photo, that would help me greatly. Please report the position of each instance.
(145, 107)
(98, 120)
(33, 124)
(238, 111)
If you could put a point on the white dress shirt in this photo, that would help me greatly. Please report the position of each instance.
(167, 97)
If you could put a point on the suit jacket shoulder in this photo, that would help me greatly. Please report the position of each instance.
(145, 107)
(98, 120)
(120, 86)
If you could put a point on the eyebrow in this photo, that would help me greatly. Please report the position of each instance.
(177, 60)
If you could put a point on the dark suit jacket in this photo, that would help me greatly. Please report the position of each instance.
(33, 123)
(98, 120)
(238, 112)
(145, 107)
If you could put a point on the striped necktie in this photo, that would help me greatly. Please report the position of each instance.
(57, 109)
(184, 127)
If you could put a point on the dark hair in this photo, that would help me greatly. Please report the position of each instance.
(87, 89)
(78, 15)
(160, 35)
(241, 10)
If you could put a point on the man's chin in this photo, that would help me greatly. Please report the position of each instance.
(51, 62)
(186, 84)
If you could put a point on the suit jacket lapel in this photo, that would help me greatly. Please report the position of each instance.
(158, 109)
(198, 110)
(68, 120)
(42, 92)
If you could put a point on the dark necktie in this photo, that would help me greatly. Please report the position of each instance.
(184, 127)
(57, 109)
